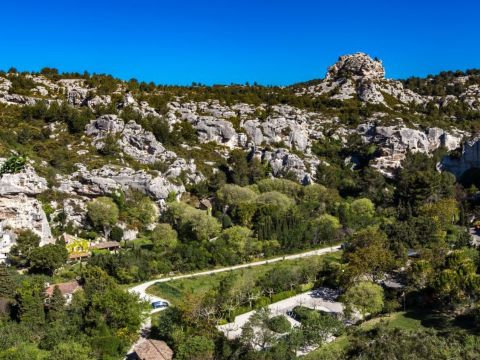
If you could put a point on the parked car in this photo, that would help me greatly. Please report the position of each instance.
(159, 304)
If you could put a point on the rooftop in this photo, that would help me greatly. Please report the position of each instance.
(154, 350)
(65, 288)
(106, 245)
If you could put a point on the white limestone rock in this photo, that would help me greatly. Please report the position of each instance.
(25, 182)
(109, 178)
(358, 65)
(133, 140)
(22, 212)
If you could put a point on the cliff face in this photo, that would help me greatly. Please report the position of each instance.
(469, 159)
(120, 148)
(19, 209)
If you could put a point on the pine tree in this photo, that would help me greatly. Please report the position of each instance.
(30, 303)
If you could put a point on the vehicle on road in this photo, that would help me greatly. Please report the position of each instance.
(159, 304)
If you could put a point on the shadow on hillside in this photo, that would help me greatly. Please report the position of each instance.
(441, 322)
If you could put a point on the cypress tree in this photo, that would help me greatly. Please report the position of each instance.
(7, 282)
(56, 306)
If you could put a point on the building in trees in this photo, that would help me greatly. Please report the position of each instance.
(153, 350)
(67, 290)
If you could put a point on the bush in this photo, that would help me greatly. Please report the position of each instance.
(301, 313)
(116, 234)
(21, 85)
(13, 165)
(110, 146)
(279, 324)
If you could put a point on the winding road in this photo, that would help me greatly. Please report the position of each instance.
(141, 289)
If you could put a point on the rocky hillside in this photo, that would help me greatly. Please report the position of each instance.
(90, 135)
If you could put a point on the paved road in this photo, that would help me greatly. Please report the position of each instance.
(317, 299)
(141, 289)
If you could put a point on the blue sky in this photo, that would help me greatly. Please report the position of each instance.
(269, 41)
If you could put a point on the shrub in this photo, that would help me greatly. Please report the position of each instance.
(13, 165)
(279, 324)
(116, 233)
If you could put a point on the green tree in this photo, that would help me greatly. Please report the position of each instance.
(365, 297)
(26, 242)
(233, 195)
(275, 199)
(164, 237)
(256, 332)
(457, 280)
(361, 213)
(48, 258)
(24, 351)
(193, 224)
(368, 255)
(284, 186)
(317, 199)
(103, 213)
(325, 229)
(279, 324)
(30, 302)
(196, 348)
(239, 170)
(419, 180)
(116, 308)
(13, 165)
(234, 245)
(71, 351)
(56, 305)
(318, 327)
(7, 282)
(445, 211)
(144, 210)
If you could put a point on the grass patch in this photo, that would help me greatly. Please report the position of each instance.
(330, 351)
(399, 320)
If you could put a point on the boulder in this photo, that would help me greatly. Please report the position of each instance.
(210, 128)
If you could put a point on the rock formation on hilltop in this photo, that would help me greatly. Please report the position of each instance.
(356, 66)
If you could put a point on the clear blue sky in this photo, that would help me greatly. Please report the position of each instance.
(270, 41)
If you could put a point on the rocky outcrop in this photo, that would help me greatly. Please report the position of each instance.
(132, 139)
(358, 76)
(5, 85)
(357, 66)
(14, 99)
(74, 211)
(20, 210)
(25, 182)
(469, 159)
(395, 141)
(282, 162)
(109, 178)
(220, 131)
(472, 97)
(23, 212)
